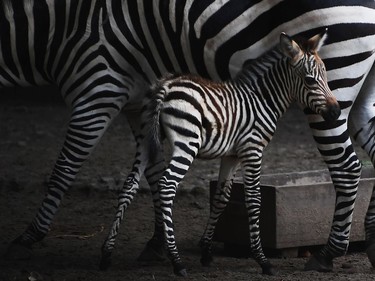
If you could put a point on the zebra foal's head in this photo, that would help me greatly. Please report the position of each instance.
(310, 85)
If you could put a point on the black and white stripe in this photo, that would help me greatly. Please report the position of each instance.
(232, 120)
(104, 54)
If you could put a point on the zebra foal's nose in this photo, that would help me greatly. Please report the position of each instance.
(331, 112)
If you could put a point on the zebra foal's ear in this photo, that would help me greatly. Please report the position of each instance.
(317, 41)
(289, 47)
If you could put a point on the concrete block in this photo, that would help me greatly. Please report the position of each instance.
(297, 210)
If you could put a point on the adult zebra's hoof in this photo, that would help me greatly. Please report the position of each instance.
(17, 251)
(206, 256)
(105, 261)
(180, 270)
(370, 251)
(319, 263)
(154, 251)
(206, 260)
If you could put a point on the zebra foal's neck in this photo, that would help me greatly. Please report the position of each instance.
(267, 79)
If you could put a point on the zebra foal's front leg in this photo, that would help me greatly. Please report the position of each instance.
(228, 168)
(251, 166)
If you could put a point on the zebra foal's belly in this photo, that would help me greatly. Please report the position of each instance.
(216, 151)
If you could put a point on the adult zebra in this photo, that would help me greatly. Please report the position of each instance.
(103, 54)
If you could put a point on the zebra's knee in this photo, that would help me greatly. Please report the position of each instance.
(348, 174)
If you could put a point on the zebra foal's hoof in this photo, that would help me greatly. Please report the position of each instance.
(17, 251)
(319, 263)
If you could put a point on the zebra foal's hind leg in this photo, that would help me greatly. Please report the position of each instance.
(228, 168)
(362, 128)
(84, 132)
(181, 160)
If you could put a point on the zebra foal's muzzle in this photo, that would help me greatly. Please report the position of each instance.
(331, 112)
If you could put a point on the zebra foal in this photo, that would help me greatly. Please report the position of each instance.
(232, 120)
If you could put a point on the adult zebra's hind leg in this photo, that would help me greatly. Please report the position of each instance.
(85, 129)
(154, 249)
(153, 167)
(125, 197)
(362, 128)
(228, 168)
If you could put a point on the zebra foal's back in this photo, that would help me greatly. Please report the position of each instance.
(198, 108)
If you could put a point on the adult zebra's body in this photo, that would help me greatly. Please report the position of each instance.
(104, 55)
(232, 120)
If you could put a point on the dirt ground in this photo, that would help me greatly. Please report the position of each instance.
(31, 135)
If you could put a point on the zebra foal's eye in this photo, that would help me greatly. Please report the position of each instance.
(310, 81)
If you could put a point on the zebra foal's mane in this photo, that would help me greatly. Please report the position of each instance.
(254, 69)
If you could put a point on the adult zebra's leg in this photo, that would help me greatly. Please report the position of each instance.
(85, 129)
(125, 198)
(228, 168)
(362, 128)
(153, 167)
(334, 144)
(154, 249)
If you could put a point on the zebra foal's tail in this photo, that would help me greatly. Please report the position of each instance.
(153, 108)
